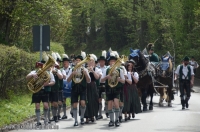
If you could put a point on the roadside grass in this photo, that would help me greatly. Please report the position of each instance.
(17, 109)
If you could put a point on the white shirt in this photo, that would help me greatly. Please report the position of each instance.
(70, 72)
(185, 71)
(103, 69)
(67, 72)
(52, 79)
(194, 64)
(121, 75)
(124, 70)
(98, 71)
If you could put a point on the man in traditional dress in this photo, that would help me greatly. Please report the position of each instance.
(113, 93)
(186, 81)
(153, 56)
(101, 87)
(79, 89)
(60, 90)
(42, 95)
(66, 68)
(54, 89)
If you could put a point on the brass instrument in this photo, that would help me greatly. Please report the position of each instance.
(114, 73)
(124, 58)
(79, 69)
(36, 84)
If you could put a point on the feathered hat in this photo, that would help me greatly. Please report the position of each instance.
(103, 56)
(45, 57)
(150, 46)
(54, 55)
(65, 57)
(83, 54)
(113, 55)
(58, 57)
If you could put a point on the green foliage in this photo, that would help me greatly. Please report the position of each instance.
(18, 108)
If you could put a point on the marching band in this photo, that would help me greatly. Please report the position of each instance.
(86, 80)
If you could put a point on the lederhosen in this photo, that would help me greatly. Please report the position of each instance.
(78, 89)
(54, 89)
(112, 93)
(184, 83)
(42, 95)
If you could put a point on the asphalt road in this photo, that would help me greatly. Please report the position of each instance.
(161, 119)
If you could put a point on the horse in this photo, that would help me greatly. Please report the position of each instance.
(165, 77)
(145, 83)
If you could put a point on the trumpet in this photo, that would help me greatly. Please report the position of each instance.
(89, 69)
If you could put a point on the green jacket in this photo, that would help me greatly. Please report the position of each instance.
(154, 58)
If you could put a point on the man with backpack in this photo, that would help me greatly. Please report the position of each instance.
(186, 80)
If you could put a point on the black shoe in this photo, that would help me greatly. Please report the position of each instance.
(187, 105)
(133, 115)
(111, 124)
(55, 118)
(183, 108)
(100, 117)
(76, 123)
(72, 114)
(129, 118)
(117, 123)
(107, 115)
(38, 124)
(58, 117)
(64, 117)
(120, 119)
(82, 121)
(92, 119)
(126, 118)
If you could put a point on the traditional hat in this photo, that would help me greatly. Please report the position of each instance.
(58, 58)
(132, 61)
(45, 57)
(83, 54)
(103, 56)
(79, 57)
(192, 57)
(150, 46)
(93, 56)
(113, 56)
(65, 57)
(186, 58)
(54, 55)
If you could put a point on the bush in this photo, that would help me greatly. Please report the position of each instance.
(15, 65)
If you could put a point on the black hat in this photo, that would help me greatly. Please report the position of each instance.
(58, 60)
(186, 58)
(192, 57)
(150, 46)
(65, 59)
(101, 58)
(42, 61)
(79, 57)
(132, 61)
(112, 58)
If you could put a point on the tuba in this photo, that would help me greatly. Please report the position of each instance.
(114, 73)
(79, 69)
(36, 84)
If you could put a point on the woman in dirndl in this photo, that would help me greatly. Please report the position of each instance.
(92, 104)
(131, 98)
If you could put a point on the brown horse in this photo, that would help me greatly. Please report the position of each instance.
(165, 77)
